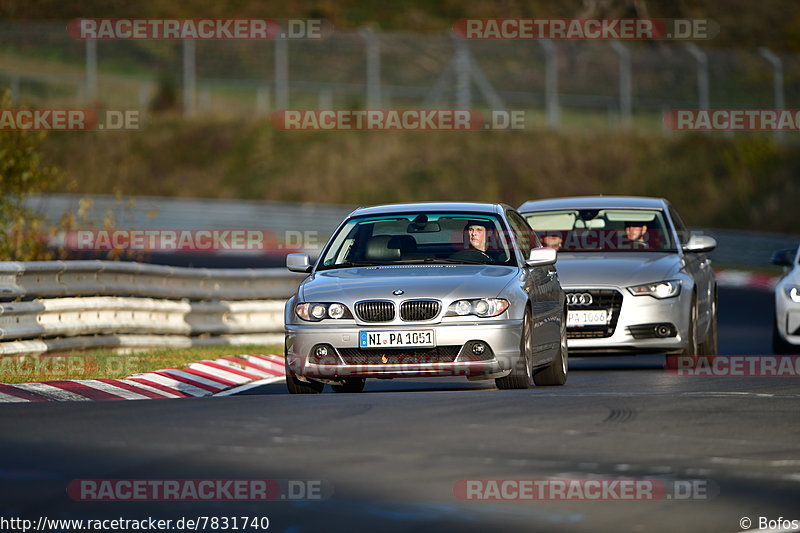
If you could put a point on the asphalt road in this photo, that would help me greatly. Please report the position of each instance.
(392, 455)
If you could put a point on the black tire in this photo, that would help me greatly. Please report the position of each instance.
(692, 348)
(556, 372)
(779, 345)
(710, 345)
(520, 376)
(350, 385)
(296, 386)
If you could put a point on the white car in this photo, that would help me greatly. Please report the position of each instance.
(786, 328)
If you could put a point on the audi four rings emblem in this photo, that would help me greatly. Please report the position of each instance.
(579, 298)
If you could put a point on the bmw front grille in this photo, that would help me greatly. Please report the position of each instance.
(375, 311)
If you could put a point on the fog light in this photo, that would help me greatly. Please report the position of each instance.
(321, 351)
(663, 330)
(478, 348)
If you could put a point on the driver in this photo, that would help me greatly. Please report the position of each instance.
(480, 238)
(636, 235)
(478, 235)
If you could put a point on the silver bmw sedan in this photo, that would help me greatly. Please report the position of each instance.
(427, 289)
(636, 279)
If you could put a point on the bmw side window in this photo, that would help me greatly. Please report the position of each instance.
(522, 233)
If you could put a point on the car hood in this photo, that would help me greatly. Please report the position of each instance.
(621, 269)
(444, 282)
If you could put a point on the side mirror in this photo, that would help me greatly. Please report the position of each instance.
(542, 257)
(784, 258)
(700, 244)
(298, 262)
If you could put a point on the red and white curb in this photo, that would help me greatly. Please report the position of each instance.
(744, 279)
(203, 378)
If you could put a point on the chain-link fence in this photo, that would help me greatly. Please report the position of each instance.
(560, 81)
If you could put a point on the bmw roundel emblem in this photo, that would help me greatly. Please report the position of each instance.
(398, 292)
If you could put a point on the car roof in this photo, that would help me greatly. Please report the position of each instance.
(594, 202)
(472, 207)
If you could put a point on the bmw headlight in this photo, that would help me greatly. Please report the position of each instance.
(482, 307)
(660, 289)
(793, 293)
(314, 312)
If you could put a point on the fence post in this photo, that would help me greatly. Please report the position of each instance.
(281, 73)
(551, 83)
(373, 68)
(325, 99)
(625, 92)
(14, 89)
(463, 75)
(91, 70)
(188, 77)
(262, 99)
(777, 80)
(702, 75)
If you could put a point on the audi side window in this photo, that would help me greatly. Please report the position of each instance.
(680, 227)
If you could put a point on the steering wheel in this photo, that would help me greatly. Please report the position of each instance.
(472, 255)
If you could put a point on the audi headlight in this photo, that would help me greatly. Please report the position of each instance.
(314, 312)
(660, 289)
(482, 307)
(793, 293)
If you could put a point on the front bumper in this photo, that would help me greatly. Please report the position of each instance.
(787, 315)
(634, 313)
(502, 337)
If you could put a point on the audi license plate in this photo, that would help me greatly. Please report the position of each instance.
(397, 339)
(588, 318)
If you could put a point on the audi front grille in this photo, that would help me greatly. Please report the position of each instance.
(416, 310)
(375, 311)
(594, 300)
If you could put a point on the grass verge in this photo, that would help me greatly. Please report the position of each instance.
(95, 364)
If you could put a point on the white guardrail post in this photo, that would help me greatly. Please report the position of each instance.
(56, 305)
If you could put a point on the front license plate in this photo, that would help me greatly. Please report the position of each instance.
(396, 339)
(588, 318)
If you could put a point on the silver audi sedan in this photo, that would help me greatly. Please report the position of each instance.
(636, 279)
(427, 289)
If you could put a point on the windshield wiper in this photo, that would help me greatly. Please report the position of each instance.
(449, 260)
(348, 264)
(426, 260)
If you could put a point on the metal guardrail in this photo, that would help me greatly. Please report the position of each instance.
(735, 247)
(56, 305)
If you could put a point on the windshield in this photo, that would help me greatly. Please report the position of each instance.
(593, 230)
(419, 238)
